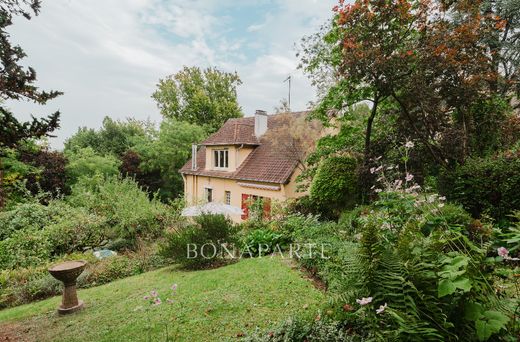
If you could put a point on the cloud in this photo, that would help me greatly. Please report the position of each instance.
(107, 56)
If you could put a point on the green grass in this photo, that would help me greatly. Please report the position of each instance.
(210, 305)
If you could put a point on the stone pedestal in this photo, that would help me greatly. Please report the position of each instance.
(68, 272)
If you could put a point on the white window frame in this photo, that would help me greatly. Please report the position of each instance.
(207, 192)
(221, 158)
(227, 197)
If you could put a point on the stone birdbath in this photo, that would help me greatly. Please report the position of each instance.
(67, 272)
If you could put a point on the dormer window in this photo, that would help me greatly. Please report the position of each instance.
(221, 159)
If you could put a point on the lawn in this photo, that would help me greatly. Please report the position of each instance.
(209, 305)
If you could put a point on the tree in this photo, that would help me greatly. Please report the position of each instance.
(49, 176)
(203, 97)
(283, 107)
(168, 152)
(114, 137)
(87, 163)
(424, 63)
(17, 83)
(294, 137)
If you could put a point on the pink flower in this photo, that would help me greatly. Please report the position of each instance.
(409, 177)
(154, 293)
(503, 252)
(146, 297)
(364, 301)
(157, 301)
(381, 309)
(174, 287)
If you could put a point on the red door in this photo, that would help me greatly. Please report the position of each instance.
(245, 206)
(267, 208)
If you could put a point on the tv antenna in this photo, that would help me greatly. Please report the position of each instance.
(289, 100)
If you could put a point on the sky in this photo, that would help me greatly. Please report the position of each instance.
(108, 55)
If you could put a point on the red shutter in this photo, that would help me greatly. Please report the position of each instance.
(245, 206)
(267, 208)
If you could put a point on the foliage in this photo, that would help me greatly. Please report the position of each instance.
(168, 153)
(86, 163)
(207, 235)
(27, 215)
(335, 185)
(420, 268)
(294, 137)
(17, 83)
(486, 185)
(24, 248)
(261, 242)
(127, 209)
(50, 176)
(300, 329)
(203, 97)
(114, 137)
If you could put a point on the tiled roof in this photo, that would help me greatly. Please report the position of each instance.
(234, 132)
(263, 164)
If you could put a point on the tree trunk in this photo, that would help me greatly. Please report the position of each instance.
(368, 132)
(2, 200)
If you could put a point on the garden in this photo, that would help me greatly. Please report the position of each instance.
(408, 203)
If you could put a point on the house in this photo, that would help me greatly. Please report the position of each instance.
(243, 162)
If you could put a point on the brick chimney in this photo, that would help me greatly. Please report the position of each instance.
(260, 123)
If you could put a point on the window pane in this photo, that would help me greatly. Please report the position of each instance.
(221, 159)
(215, 156)
(226, 155)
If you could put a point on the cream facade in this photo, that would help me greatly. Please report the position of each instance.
(231, 191)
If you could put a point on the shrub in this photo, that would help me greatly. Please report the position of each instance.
(24, 285)
(262, 241)
(26, 215)
(302, 329)
(486, 185)
(213, 230)
(86, 163)
(128, 210)
(335, 185)
(413, 256)
(25, 248)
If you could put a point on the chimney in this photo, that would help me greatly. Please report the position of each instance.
(260, 123)
(194, 157)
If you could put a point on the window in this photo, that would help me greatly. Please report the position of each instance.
(221, 158)
(209, 194)
(228, 197)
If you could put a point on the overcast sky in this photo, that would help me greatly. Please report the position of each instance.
(108, 55)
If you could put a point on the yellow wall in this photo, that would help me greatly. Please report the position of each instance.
(194, 186)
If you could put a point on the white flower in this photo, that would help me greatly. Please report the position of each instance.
(409, 177)
(431, 199)
(441, 205)
(378, 190)
(442, 198)
(409, 144)
(381, 309)
(364, 301)
(372, 170)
